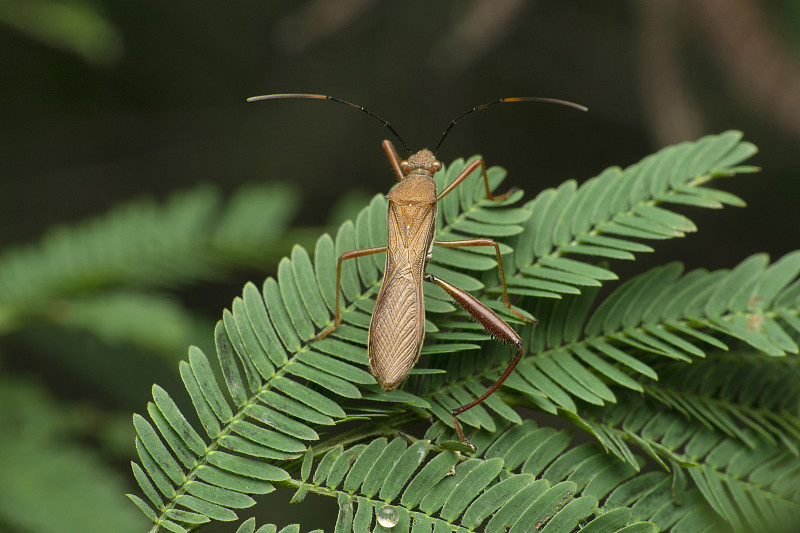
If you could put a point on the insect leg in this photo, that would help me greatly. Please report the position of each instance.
(394, 159)
(466, 172)
(352, 254)
(494, 325)
(488, 242)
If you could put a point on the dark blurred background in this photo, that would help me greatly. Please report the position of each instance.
(113, 100)
(102, 102)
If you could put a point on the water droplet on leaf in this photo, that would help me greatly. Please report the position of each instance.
(387, 516)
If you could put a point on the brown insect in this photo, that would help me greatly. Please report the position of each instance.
(397, 327)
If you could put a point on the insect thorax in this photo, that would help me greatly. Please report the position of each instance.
(414, 190)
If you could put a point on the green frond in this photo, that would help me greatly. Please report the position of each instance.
(144, 245)
(601, 217)
(277, 393)
(734, 393)
(746, 479)
(655, 317)
(527, 478)
(151, 321)
(50, 481)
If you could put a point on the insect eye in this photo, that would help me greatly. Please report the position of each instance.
(404, 165)
(437, 166)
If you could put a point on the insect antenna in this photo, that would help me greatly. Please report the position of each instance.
(332, 99)
(502, 101)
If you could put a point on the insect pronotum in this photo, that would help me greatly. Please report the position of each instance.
(397, 327)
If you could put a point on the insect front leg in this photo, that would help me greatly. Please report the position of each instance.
(394, 159)
(494, 325)
(352, 254)
(466, 172)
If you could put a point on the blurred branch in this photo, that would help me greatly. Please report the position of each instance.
(484, 24)
(316, 21)
(749, 50)
(670, 111)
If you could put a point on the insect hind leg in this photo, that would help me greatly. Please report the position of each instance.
(496, 326)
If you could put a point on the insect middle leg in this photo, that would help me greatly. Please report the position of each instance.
(488, 242)
(494, 325)
(352, 254)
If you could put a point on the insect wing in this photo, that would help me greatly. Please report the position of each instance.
(397, 328)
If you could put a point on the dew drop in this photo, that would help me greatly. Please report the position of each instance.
(387, 516)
